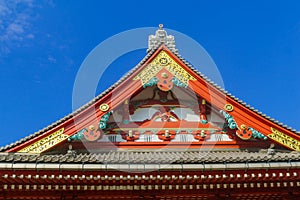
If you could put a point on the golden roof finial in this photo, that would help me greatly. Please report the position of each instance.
(160, 26)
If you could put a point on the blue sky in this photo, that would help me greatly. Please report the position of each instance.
(255, 44)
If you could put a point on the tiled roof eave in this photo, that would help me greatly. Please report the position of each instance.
(155, 157)
(150, 167)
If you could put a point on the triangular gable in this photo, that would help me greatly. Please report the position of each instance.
(241, 120)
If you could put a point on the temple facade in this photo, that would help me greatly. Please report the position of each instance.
(163, 131)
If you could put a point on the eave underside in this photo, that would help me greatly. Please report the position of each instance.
(156, 175)
(175, 184)
(162, 194)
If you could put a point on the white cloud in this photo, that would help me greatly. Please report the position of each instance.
(51, 59)
(16, 17)
(30, 36)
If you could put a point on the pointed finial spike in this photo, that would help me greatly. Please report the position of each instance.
(160, 26)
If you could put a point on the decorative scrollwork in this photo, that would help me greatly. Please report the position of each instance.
(78, 136)
(46, 143)
(103, 120)
(177, 82)
(151, 82)
(231, 123)
(256, 134)
(284, 139)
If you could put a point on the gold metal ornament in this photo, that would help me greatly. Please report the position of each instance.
(92, 127)
(164, 75)
(104, 107)
(228, 107)
(163, 61)
(243, 126)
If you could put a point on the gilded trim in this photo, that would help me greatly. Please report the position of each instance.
(46, 142)
(284, 139)
(163, 60)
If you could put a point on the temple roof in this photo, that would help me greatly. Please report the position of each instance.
(159, 41)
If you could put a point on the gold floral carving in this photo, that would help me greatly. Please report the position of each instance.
(163, 60)
(284, 139)
(46, 142)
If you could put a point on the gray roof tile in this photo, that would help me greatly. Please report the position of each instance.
(133, 157)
